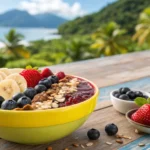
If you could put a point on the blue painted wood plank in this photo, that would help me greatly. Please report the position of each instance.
(134, 145)
(141, 84)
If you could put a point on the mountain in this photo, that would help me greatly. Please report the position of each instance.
(124, 12)
(18, 18)
(49, 20)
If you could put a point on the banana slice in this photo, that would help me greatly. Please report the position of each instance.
(20, 81)
(8, 88)
(3, 75)
(16, 70)
(5, 70)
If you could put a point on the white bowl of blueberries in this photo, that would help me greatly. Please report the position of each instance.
(123, 99)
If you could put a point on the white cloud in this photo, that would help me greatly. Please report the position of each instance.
(58, 7)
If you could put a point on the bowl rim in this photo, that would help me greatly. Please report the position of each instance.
(60, 108)
(125, 101)
(128, 117)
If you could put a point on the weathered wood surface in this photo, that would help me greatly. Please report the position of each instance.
(104, 72)
(111, 70)
(98, 120)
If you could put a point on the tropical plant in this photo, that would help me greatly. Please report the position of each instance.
(143, 28)
(78, 49)
(13, 46)
(109, 40)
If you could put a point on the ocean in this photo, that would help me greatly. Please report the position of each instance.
(31, 34)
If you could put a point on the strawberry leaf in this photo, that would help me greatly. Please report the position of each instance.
(29, 67)
(140, 101)
(148, 100)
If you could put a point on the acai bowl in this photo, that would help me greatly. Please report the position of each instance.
(27, 118)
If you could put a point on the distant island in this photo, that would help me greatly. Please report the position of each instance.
(19, 18)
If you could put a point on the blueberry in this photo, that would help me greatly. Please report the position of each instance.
(46, 82)
(40, 88)
(111, 129)
(30, 92)
(145, 96)
(9, 104)
(124, 90)
(117, 95)
(124, 97)
(131, 95)
(23, 101)
(17, 96)
(93, 134)
(138, 94)
(54, 79)
(116, 92)
(1, 100)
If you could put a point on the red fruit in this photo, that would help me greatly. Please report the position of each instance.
(32, 77)
(46, 73)
(142, 115)
(60, 75)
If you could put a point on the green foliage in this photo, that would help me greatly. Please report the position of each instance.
(143, 28)
(109, 40)
(13, 46)
(123, 12)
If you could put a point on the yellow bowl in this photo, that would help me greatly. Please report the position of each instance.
(42, 126)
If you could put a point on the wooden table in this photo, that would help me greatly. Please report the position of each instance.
(104, 72)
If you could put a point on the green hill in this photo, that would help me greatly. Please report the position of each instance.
(124, 12)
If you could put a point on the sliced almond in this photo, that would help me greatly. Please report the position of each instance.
(89, 144)
(119, 141)
(82, 146)
(108, 143)
(141, 144)
(54, 105)
(75, 145)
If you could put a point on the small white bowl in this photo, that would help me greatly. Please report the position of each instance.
(140, 127)
(123, 106)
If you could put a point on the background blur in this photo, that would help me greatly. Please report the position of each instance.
(48, 32)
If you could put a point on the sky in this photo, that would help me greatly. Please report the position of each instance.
(65, 8)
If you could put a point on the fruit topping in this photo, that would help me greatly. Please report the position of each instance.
(30, 92)
(40, 88)
(46, 82)
(23, 101)
(8, 88)
(20, 80)
(142, 115)
(9, 105)
(54, 79)
(31, 76)
(93, 134)
(17, 96)
(60, 75)
(46, 73)
(111, 129)
(124, 97)
(1, 100)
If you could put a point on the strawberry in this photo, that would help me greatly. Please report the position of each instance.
(142, 115)
(60, 75)
(46, 73)
(32, 77)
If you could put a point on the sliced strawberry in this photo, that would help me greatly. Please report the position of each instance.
(142, 115)
(32, 77)
(46, 73)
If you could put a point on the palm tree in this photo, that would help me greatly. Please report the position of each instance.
(13, 46)
(78, 49)
(143, 28)
(108, 40)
